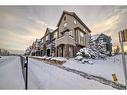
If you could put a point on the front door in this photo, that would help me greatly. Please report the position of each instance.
(48, 52)
(62, 50)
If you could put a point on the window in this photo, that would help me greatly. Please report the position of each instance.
(81, 38)
(42, 41)
(65, 24)
(46, 38)
(65, 18)
(70, 33)
(75, 22)
(55, 35)
(81, 34)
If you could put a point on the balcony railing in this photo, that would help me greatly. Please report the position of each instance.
(66, 39)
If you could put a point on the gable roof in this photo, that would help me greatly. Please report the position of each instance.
(75, 16)
(48, 30)
(95, 37)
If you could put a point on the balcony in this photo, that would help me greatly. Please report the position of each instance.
(66, 39)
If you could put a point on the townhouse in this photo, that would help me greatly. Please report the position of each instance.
(70, 35)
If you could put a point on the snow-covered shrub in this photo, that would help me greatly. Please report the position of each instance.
(86, 53)
(90, 53)
(94, 51)
(90, 62)
(79, 58)
(85, 61)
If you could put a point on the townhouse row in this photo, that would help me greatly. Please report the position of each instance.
(70, 35)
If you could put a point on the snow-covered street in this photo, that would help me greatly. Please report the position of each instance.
(45, 76)
(11, 73)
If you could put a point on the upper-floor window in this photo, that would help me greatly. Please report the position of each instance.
(75, 22)
(55, 35)
(81, 38)
(81, 34)
(70, 33)
(42, 41)
(65, 24)
(64, 18)
(47, 38)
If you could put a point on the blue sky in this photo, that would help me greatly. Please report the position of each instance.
(21, 25)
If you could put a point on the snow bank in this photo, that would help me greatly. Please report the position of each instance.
(54, 60)
(45, 76)
(59, 58)
(103, 68)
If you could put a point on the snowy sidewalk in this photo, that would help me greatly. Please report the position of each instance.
(45, 76)
(10, 73)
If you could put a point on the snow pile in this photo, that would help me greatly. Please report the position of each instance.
(44, 57)
(54, 60)
(79, 58)
(59, 59)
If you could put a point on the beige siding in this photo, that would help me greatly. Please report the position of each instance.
(71, 25)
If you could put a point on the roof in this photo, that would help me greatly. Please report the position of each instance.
(50, 30)
(95, 37)
(75, 16)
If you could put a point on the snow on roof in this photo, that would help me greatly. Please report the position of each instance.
(37, 40)
(94, 37)
(51, 29)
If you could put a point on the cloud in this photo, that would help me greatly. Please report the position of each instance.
(20, 26)
(106, 25)
(14, 39)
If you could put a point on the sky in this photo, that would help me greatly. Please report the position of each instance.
(21, 25)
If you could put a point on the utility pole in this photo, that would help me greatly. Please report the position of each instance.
(123, 57)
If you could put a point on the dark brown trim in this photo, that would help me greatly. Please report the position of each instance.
(63, 33)
(80, 30)
(80, 45)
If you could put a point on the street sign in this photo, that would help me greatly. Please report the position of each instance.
(124, 35)
(114, 77)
